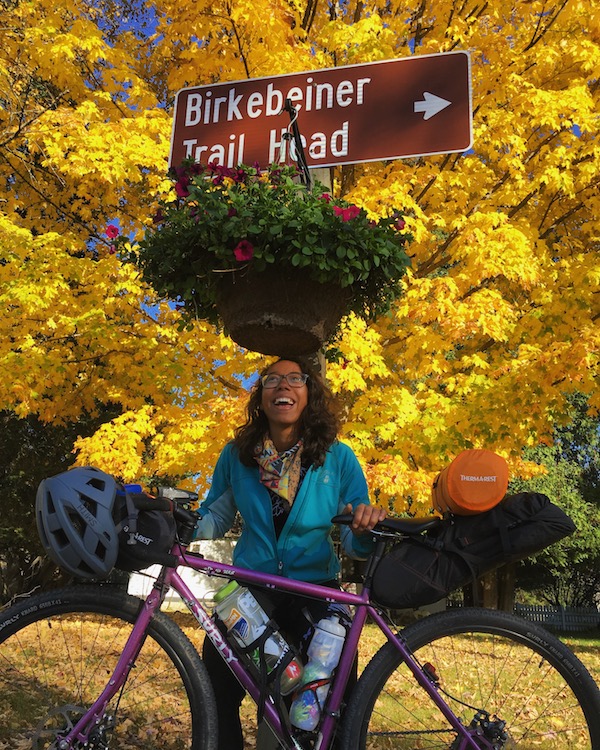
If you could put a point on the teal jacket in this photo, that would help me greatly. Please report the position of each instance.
(304, 550)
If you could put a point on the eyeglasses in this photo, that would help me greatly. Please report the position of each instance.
(295, 379)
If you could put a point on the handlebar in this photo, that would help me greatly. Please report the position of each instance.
(186, 519)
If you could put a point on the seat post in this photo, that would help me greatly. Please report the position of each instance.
(375, 558)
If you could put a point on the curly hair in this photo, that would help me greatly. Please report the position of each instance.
(319, 423)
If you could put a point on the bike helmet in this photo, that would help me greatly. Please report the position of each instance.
(75, 520)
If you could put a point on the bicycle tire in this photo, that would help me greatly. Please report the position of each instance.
(483, 659)
(59, 648)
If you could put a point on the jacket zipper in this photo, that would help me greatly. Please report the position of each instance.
(284, 537)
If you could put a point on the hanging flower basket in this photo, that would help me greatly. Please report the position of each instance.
(275, 264)
(285, 313)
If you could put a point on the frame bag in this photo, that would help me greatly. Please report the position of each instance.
(424, 569)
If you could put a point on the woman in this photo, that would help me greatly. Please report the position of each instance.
(287, 475)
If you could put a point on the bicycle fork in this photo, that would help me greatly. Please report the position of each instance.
(95, 718)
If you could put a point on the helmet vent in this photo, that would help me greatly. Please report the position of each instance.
(97, 483)
(60, 538)
(100, 551)
(90, 505)
(77, 522)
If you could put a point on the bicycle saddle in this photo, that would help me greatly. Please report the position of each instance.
(409, 526)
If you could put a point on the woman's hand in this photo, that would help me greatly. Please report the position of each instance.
(365, 517)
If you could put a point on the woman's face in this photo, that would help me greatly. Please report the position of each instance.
(283, 405)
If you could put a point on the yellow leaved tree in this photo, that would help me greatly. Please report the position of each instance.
(498, 322)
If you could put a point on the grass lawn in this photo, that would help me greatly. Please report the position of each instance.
(587, 648)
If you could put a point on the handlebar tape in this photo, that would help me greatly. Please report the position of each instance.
(148, 502)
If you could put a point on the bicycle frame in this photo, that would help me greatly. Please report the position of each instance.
(170, 578)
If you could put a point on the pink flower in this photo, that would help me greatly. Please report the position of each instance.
(244, 251)
(325, 197)
(112, 231)
(348, 213)
(400, 224)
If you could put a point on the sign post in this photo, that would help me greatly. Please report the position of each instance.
(409, 107)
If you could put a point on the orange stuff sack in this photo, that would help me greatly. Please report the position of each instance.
(474, 482)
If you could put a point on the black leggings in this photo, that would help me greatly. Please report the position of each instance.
(287, 611)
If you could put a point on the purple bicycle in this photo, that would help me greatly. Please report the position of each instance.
(92, 667)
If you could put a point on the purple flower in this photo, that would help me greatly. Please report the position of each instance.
(181, 187)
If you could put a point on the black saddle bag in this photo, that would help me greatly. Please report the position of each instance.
(424, 569)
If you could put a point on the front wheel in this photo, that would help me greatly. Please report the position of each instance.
(515, 683)
(58, 651)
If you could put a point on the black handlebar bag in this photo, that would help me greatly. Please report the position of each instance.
(146, 531)
(424, 569)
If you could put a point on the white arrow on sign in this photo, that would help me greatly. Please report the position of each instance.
(431, 104)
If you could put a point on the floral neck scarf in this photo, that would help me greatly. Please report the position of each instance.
(279, 472)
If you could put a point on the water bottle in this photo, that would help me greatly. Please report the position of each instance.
(246, 620)
(323, 657)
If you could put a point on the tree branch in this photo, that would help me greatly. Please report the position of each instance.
(540, 31)
(309, 15)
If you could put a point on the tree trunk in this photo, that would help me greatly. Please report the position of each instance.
(489, 586)
(495, 590)
(507, 576)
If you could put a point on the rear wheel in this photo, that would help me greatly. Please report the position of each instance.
(57, 652)
(518, 685)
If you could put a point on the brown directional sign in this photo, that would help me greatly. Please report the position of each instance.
(409, 107)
